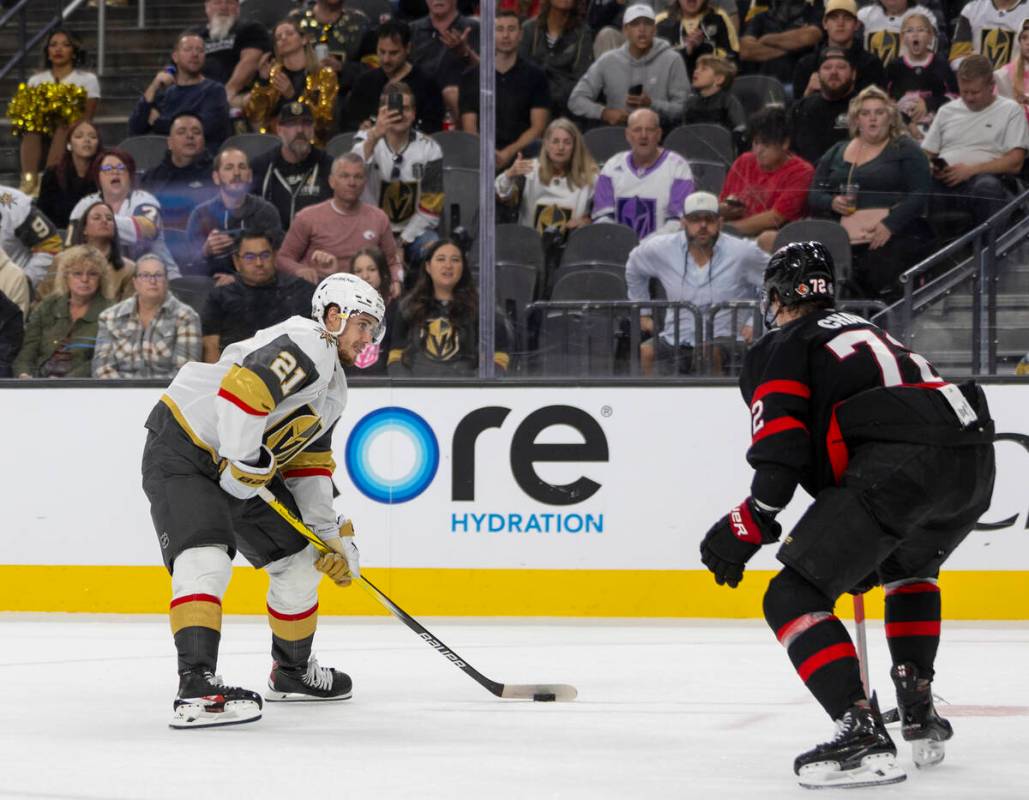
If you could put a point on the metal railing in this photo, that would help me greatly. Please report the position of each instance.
(990, 241)
(62, 12)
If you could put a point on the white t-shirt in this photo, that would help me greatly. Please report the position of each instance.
(87, 80)
(543, 205)
(961, 136)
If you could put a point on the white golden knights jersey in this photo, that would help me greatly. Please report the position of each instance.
(797, 380)
(989, 31)
(284, 388)
(28, 237)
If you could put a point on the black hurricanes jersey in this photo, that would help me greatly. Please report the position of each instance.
(795, 379)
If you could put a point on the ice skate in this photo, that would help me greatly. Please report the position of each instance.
(860, 754)
(313, 684)
(920, 724)
(204, 701)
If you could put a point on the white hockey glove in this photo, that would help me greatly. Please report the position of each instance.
(244, 480)
(342, 565)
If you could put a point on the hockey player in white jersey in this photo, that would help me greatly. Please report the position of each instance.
(262, 416)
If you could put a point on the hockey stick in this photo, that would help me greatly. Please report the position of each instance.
(520, 691)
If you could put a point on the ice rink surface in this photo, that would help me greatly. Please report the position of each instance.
(677, 709)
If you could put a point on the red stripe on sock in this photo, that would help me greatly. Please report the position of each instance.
(825, 656)
(293, 617)
(195, 598)
(896, 630)
(913, 588)
(791, 630)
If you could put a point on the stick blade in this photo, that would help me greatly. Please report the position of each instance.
(561, 692)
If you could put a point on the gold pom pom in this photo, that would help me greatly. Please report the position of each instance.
(40, 109)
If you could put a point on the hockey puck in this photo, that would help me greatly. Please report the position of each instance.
(544, 697)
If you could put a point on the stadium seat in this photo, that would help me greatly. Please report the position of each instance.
(340, 144)
(702, 141)
(461, 201)
(831, 234)
(460, 149)
(758, 91)
(253, 144)
(192, 289)
(709, 176)
(599, 244)
(147, 151)
(605, 142)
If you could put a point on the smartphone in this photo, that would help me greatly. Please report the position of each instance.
(733, 200)
(395, 102)
(636, 88)
(939, 164)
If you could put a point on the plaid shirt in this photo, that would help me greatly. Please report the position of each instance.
(125, 349)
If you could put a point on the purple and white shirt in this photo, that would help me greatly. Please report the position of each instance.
(648, 200)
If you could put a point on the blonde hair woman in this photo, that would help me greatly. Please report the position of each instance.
(293, 75)
(555, 189)
(60, 335)
(877, 184)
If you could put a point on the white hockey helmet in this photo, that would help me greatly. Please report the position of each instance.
(352, 295)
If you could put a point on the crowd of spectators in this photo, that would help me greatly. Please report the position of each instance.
(877, 117)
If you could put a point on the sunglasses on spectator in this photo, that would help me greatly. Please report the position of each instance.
(253, 258)
(113, 168)
(153, 277)
(398, 159)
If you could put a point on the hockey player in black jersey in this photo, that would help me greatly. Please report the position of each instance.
(900, 464)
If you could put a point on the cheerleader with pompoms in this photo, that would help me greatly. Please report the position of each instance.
(42, 109)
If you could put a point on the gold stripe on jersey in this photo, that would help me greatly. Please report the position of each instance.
(293, 627)
(181, 419)
(199, 613)
(316, 460)
(960, 50)
(395, 355)
(431, 202)
(249, 388)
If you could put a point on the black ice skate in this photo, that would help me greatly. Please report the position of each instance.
(314, 683)
(920, 724)
(205, 702)
(860, 754)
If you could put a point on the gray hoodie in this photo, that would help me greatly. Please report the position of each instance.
(661, 71)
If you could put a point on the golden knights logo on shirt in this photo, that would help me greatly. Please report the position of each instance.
(547, 216)
(441, 339)
(399, 200)
(996, 46)
(290, 435)
(884, 45)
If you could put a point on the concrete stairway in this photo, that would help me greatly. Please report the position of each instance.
(133, 56)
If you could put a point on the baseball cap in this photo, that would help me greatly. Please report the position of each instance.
(637, 11)
(841, 5)
(700, 203)
(834, 52)
(292, 112)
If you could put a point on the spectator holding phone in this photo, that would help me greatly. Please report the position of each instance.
(980, 139)
(643, 73)
(214, 226)
(405, 172)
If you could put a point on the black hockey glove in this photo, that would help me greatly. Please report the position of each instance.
(732, 540)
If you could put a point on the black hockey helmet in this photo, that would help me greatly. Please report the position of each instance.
(800, 272)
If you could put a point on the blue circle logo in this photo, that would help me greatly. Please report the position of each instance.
(375, 440)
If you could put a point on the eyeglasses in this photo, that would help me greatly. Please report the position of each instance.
(86, 275)
(113, 168)
(253, 258)
(398, 159)
(153, 277)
